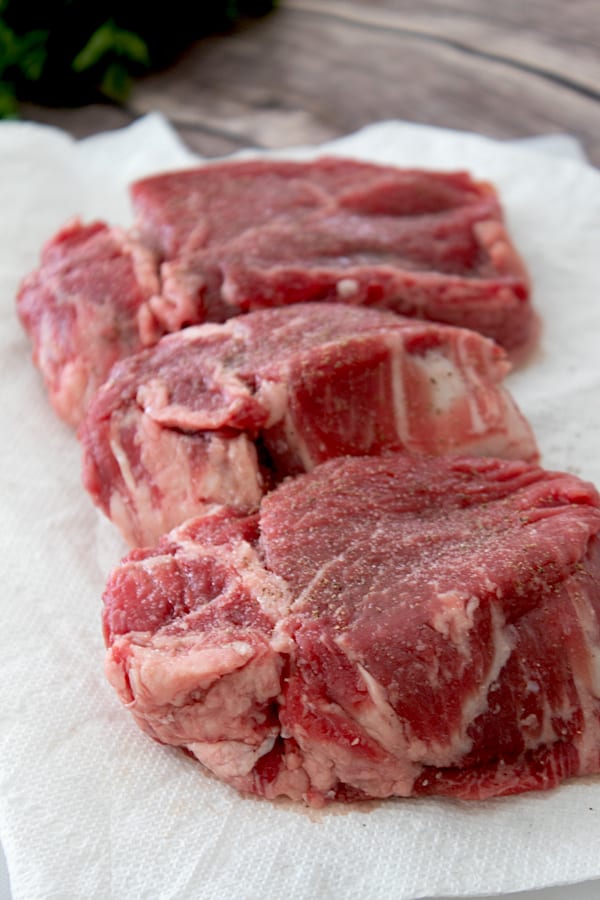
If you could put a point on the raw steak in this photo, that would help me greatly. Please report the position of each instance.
(458, 268)
(85, 308)
(267, 233)
(180, 212)
(385, 626)
(220, 413)
(426, 244)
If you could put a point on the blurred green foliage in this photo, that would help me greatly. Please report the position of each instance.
(70, 52)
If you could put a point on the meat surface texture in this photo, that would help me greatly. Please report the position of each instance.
(86, 307)
(384, 626)
(224, 239)
(221, 413)
(242, 236)
(181, 212)
(458, 268)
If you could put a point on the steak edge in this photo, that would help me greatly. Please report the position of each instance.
(85, 308)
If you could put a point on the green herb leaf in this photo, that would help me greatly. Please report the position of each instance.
(109, 38)
(61, 51)
(116, 82)
(8, 101)
(32, 54)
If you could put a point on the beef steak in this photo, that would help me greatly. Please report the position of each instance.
(86, 307)
(384, 626)
(242, 235)
(181, 212)
(220, 413)
(458, 268)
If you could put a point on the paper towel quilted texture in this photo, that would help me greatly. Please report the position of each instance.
(90, 807)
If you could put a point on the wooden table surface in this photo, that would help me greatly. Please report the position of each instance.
(315, 69)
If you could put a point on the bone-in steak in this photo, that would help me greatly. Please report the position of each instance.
(220, 413)
(384, 626)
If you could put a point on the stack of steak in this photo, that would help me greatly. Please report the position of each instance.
(357, 582)
(226, 239)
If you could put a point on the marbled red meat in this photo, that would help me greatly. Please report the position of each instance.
(181, 212)
(86, 307)
(458, 268)
(385, 626)
(220, 413)
(242, 235)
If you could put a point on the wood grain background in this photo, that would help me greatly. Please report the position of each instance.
(316, 69)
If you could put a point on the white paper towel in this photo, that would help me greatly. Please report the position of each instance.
(90, 807)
